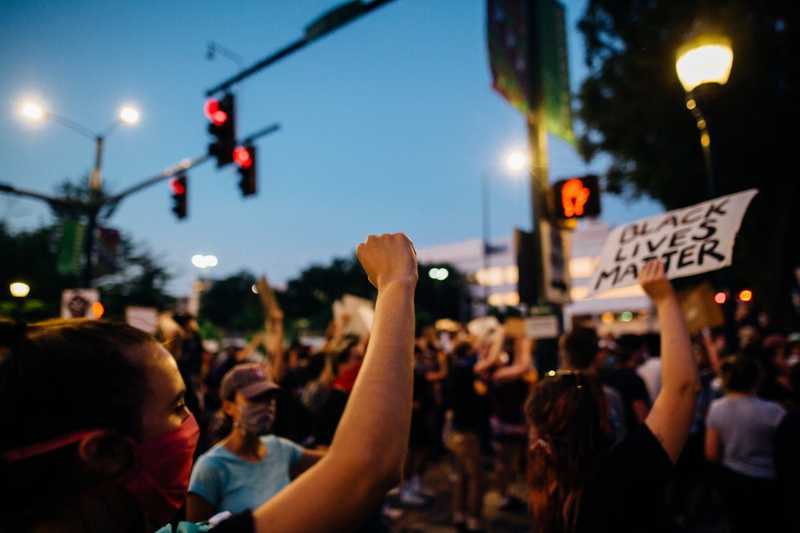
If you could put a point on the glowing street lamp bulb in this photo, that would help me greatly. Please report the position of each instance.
(254, 289)
(19, 289)
(705, 62)
(129, 115)
(199, 260)
(211, 260)
(517, 161)
(32, 111)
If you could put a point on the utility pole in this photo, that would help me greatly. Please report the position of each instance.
(326, 23)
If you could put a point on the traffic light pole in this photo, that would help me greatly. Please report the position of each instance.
(92, 208)
(328, 22)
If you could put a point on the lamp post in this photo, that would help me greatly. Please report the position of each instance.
(514, 161)
(34, 111)
(704, 60)
(19, 290)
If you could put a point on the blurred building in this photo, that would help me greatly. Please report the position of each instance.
(618, 311)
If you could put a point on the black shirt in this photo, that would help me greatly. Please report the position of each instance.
(465, 402)
(627, 492)
(632, 388)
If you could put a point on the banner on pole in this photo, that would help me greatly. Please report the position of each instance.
(689, 241)
(527, 41)
(70, 247)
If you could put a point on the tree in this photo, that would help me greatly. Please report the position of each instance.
(310, 296)
(32, 256)
(231, 304)
(633, 107)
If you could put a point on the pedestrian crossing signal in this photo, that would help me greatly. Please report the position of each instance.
(576, 197)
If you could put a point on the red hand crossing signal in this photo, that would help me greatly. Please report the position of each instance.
(576, 197)
(222, 126)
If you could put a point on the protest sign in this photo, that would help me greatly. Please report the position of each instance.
(143, 318)
(355, 314)
(689, 241)
(699, 308)
(80, 303)
(542, 327)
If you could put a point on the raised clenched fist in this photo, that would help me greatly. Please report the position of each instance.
(388, 258)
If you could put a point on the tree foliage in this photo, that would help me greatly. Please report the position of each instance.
(31, 256)
(634, 109)
(230, 304)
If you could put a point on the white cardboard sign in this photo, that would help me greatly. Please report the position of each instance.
(143, 318)
(77, 303)
(689, 241)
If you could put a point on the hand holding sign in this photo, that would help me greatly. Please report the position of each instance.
(655, 282)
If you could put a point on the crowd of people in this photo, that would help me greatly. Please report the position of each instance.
(105, 429)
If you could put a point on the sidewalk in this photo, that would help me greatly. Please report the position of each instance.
(435, 516)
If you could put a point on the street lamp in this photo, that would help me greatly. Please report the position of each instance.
(19, 289)
(704, 60)
(513, 162)
(204, 262)
(35, 111)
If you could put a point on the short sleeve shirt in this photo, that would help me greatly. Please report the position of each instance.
(626, 493)
(230, 483)
(746, 427)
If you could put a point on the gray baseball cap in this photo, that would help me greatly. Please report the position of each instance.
(250, 379)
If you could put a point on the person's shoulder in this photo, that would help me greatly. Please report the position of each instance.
(773, 409)
(719, 403)
(214, 456)
(274, 441)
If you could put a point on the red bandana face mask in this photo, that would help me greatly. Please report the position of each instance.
(159, 478)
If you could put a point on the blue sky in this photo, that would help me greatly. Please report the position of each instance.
(387, 124)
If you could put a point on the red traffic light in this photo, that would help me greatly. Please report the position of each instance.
(178, 186)
(721, 297)
(212, 110)
(746, 295)
(242, 157)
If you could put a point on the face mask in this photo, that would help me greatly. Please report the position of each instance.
(257, 419)
(159, 478)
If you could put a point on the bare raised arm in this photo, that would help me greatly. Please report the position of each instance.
(672, 412)
(368, 450)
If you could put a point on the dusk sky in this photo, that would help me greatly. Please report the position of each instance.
(387, 125)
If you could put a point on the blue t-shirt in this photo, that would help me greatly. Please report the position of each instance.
(230, 483)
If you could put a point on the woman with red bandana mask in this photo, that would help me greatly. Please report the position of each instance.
(95, 435)
(249, 466)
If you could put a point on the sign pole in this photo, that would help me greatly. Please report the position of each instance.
(540, 182)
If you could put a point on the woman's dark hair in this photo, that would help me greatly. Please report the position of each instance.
(568, 415)
(740, 373)
(581, 347)
(63, 376)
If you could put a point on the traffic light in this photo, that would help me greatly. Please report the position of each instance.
(577, 197)
(221, 114)
(245, 158)
(179, 186)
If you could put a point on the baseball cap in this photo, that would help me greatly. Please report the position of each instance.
(250, 379)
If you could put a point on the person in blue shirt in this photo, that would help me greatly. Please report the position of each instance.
(249, 466)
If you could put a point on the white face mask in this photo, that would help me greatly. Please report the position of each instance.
(257, 418)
